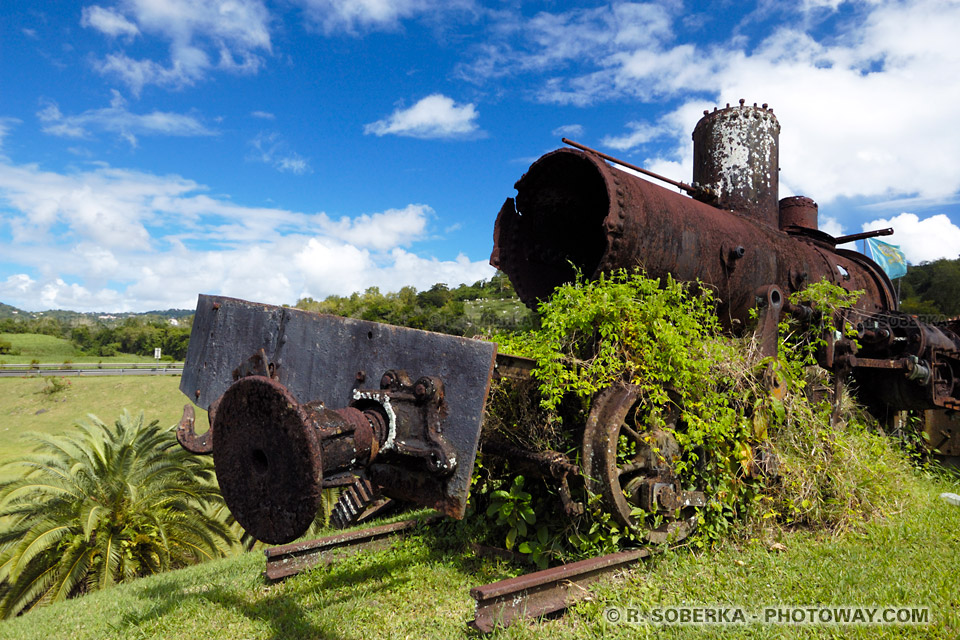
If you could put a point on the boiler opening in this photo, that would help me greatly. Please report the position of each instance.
(562, 201)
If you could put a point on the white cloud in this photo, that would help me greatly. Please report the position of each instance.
(271, 149)
(381, 231)
(640, 133)
(866, 109)
(117, 119)
(435, 116)
(203, 35)
(264, 115)
(6, 124)
(921, 240)
(831, 225)
(121, 240)
(108, 21)
(547, 41)
(57, 294)
(568, 130)
(354, 16)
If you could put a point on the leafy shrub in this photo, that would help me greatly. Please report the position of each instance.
(102, 505)
(664, 337)
(55, 385)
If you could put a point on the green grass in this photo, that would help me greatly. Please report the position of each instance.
(420, 589)
(44, 348)
(503, 309)
(24, 407)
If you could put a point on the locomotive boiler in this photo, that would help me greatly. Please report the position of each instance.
(299, 401)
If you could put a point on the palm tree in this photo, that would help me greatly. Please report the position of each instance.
(103, 505)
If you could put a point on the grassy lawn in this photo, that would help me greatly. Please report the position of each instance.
(25, 407)
(420, 589)
(34, 346)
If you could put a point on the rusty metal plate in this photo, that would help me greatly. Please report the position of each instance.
(322, 358)
(542, 592)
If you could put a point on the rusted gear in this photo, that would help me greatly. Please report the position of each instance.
(360, 501)
(628, 465)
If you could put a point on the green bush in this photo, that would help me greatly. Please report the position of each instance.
(104, 504)
(664, 337)
(54, 385)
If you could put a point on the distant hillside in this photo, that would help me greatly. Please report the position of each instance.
(6, 311)
(67, 317)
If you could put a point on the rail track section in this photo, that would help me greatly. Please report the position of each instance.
(498, 604)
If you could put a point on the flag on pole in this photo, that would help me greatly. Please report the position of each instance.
(888, 256)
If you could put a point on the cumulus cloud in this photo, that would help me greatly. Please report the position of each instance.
(123, 240)
(921, 239)
(863, 103)
(435, 116)
(202, 35)
(381, 231)
(117, 119)
(270, 148)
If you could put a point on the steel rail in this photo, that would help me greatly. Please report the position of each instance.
(289, 559)
(542, 592)
(498, 604)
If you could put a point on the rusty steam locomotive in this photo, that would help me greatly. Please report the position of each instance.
(300, 401)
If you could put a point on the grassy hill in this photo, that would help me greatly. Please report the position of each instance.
(24, 405)
(35, 346)
(420, 589)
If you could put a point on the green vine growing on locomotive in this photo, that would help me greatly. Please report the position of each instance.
(665, 338)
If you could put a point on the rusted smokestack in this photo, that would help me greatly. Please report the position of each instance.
(798, 211)
(736, 156)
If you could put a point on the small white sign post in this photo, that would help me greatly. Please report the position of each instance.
(156, 354)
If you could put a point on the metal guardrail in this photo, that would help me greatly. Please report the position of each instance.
(92, 365)
(92, 369)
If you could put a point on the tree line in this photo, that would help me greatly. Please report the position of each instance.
(134, 335)
(932, 288)
(482, 308)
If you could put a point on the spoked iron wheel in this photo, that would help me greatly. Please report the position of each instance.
(627, 463)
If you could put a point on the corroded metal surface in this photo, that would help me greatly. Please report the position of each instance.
(942, 431)
(268, 459)
(574, 211)
(535, 594)
(643, 479)
(799, 211)
(290, 559)
(736, 156)
(324, 361)
(187, 434)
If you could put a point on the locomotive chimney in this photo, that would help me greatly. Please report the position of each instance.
(736, 158)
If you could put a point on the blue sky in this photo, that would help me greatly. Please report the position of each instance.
(151, 150)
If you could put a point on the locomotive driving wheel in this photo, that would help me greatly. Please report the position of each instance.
(627, 462)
